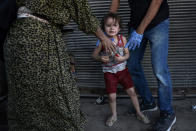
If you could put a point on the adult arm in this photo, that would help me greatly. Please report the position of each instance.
(80, 12)
(151, 13)
(137, 35)
(106, 42)
(114, 6)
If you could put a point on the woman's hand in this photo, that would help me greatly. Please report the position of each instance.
(106, 42)
(108, 45)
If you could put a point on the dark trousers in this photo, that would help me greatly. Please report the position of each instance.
(3, 84)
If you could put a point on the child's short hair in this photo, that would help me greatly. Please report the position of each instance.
(115, 16)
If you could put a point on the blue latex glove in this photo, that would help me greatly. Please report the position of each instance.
(134, 40)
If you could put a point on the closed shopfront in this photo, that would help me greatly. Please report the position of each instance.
(182, 48)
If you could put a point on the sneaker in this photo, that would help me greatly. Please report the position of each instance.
(165, 122)
(111, 120)
(148, 107)
(145, 107)
(143, 119)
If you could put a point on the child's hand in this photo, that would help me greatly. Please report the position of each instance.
(119, 58)
(105, 59)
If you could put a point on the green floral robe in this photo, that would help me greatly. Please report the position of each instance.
(43, 96)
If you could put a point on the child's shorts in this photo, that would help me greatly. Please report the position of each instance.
(112, 79)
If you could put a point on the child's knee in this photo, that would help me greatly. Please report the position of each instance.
(131, 92)
(112, 97)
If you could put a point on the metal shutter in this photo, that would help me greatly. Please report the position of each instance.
(182, 49)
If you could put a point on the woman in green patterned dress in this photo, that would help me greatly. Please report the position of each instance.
(43, 96)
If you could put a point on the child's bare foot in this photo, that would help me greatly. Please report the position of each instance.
(110, 121)
(143, 118)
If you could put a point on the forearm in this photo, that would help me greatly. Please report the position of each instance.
(96, 52)
(99, 34)
(126, 56)
(120, 58)
(114, 6)
(151, 13)
(96, 57)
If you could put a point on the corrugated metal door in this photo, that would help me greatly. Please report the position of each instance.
(182, 49)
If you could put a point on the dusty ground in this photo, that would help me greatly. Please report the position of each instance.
(97, 114)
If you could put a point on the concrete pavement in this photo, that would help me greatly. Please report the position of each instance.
(97, 115)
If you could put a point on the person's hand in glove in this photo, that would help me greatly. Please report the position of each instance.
(134, 40)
